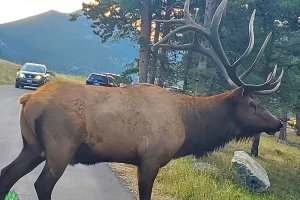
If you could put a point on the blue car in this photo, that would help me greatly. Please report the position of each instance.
(100, 80)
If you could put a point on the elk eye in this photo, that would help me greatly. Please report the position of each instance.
(252, 105)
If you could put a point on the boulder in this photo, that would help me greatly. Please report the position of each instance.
(250, 173)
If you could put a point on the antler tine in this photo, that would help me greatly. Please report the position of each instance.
(268, 85)
(271, 76)
(195, 46)
(250, 45)
(274, 83)
(271, 88)
(265, 92)
(214, 33)
(159, 43)
(267, 82)
(189, 24)
(248, 71)
(186, 18)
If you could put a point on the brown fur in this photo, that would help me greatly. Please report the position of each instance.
(24, 98)
(142, 124)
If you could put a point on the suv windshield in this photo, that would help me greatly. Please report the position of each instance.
(33, 68)
(99, 78)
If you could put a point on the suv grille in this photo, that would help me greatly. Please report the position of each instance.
(29, 75)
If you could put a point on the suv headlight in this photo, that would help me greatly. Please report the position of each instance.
(38, 77)
(21, 75)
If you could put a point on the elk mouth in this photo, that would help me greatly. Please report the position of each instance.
(272, 131)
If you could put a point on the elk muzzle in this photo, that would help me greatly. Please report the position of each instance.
(274, 130)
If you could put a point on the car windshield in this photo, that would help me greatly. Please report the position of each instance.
(33, 68)
(95, 77)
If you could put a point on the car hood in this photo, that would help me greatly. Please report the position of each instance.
(35, 73)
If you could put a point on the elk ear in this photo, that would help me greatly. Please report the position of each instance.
(238, 93)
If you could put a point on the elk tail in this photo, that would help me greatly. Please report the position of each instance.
(27, 132)
(23, 99)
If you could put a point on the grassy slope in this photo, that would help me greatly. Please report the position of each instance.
(179, 180)
(7, 72)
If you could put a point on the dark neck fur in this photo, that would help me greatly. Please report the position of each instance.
(209, 125)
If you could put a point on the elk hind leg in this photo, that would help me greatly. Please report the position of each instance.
(58, 158)
(27, 160)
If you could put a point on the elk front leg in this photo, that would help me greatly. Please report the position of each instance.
(22, 165)
(147, 173)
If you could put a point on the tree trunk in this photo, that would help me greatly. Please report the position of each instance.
(298, 124)
(210, 8)
(282, 134)
(153, 68)
(163, 57)
(162, 68)
(255, 145)
(185, 83)
(144, 40)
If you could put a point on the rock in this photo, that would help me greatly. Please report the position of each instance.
(204, 165)
(249, 172)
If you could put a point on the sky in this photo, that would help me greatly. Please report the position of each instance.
(11, 10)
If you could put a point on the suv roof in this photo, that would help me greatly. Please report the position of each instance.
(106, 75)
(36, 64)
(97, 74)
(112, 74)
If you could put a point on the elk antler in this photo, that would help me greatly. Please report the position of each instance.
(216, 52)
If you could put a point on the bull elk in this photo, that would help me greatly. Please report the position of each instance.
(143, 125)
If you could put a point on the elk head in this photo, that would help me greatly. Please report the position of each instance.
(248, 113)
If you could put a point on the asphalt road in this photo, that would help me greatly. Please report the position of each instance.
(80, 182)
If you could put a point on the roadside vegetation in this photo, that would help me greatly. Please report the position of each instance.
(8, 72)
(180, 180)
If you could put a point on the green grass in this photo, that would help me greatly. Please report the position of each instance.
(181, 180)
(8, 72)
(67, 77)
(294, 138)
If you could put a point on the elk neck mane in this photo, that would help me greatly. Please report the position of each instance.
(209, 124)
